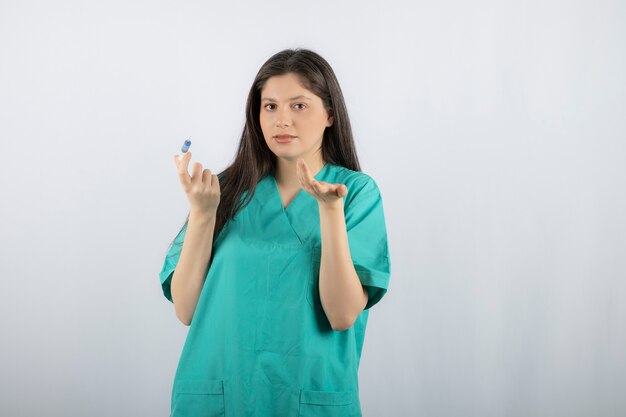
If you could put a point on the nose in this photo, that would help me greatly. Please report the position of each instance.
(282, 119)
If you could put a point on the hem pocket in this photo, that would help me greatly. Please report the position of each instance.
(326, 397)
(328, 404)
(198, 397)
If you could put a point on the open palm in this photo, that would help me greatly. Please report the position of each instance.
(323, 192)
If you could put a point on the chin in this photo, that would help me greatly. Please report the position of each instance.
(290, 156)
(287, 156)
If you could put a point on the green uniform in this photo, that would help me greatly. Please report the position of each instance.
(259, 343)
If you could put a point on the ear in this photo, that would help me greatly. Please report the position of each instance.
(330, 120)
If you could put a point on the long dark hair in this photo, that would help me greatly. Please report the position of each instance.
(254, 160)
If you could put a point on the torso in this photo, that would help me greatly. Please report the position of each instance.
(282, 348)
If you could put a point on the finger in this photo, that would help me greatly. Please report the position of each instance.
(334, 190)
(183, 174)
(184, 163)
(197, 172)
(320, 188)
(215, 182)
(206, 177)
(300, 173)
(337, 190)
(178, 159)
(308, 179)
(306, 172)
(308, 186)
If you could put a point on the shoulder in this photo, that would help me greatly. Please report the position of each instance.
(339, 174)
(359, 184)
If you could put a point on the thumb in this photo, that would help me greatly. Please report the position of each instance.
(341, 190)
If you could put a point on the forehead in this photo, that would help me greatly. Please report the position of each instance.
(285, 87)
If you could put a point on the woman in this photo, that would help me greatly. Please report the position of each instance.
(281, 257)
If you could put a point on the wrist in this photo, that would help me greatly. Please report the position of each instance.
(334, 205)
(201, 216)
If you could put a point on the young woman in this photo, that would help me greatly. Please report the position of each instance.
(280, 259)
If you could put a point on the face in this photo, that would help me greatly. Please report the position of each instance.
(288, 108)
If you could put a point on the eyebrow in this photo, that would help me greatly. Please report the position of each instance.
(292, 98)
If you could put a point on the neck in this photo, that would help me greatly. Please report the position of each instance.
(286, 172)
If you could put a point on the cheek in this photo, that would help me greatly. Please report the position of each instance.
(263, 127)
(264, 121)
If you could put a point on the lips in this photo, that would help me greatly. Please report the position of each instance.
(284, 138)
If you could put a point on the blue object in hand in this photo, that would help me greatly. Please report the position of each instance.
(186, 145)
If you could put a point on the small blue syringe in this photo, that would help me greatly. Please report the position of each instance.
(185, 147)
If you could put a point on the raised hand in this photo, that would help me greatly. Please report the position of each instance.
(202, 187)
(323, 192)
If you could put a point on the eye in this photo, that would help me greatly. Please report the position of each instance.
(297, 104)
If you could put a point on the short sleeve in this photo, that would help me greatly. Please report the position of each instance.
(169, 265)
(367, 238)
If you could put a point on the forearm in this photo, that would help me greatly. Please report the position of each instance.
(341, 293)
(193, 265)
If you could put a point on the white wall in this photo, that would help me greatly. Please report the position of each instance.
(495, 132)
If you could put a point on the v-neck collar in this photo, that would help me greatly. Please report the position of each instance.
(296, 226)
(276, 191)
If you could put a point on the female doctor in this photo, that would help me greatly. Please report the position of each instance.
(281, 257)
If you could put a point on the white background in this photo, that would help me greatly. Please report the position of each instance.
(495, 131)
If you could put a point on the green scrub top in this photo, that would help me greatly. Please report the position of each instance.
(259, 343)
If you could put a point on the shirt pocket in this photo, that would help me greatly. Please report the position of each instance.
(328, 404)
(283, 319)
(198, 398)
